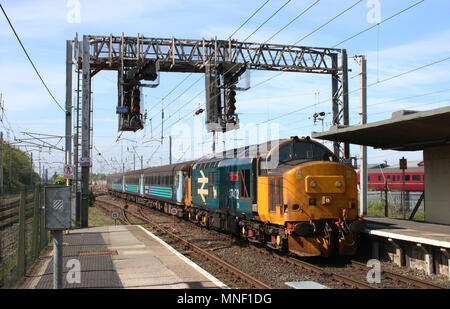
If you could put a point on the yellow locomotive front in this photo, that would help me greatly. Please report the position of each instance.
(313, 198)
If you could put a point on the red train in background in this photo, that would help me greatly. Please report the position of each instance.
(378, 177)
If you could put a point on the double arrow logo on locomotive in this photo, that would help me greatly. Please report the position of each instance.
(202, 191)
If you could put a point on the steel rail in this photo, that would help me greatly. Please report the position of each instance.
(319, 270)
(224, 265)
(232, 269)
(99, 204)
(402, 278)
(340, 278)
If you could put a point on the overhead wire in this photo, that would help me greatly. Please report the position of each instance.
(292, 45)
(248, 19)
(265, 21)
(377, 24)
(355, 90)
(31, 61)
(242, 25)
(290, 22)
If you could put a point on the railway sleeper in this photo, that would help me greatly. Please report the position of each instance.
(271, 236)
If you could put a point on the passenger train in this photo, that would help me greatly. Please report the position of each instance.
(289, 194)
(392, 178)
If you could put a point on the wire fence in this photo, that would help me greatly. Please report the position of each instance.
(377, 200)
(22, 233)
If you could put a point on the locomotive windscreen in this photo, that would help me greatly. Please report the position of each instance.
(304, 150)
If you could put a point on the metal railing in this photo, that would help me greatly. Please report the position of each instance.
(22, 233)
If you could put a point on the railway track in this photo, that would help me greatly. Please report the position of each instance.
(318, 270)
(101, 205)
(230, 269)
(353, 275)
(401, 278)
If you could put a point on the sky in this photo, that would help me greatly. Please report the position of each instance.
(414, 38)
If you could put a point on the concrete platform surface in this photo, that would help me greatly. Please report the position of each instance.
(420, 232)
(121, 257)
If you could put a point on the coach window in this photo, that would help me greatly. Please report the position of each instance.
(389, 177)
(379, 178)
(408, 178)
(416, 177)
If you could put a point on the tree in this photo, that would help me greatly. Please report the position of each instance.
(60, 180)
(23, 176)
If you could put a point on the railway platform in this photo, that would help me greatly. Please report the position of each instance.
(119, 257)
(412, 244)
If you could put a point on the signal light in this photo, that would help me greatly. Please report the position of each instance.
(232, 96)
(231, 100)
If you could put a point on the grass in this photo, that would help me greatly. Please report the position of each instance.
(376, 209)
(98, 218)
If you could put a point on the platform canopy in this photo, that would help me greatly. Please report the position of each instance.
(406, 130)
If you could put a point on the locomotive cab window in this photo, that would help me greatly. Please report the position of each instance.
(244, 184)
(303, 150)
(285, 153)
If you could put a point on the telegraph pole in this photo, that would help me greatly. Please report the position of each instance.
(363, 149)
(1, 162)
(31, 170)
(403, 166)
(170, 149)
(10, 167)
(69, 49)
(85, 132)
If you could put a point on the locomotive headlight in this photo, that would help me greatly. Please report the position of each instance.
(313, 184)
(338, 184)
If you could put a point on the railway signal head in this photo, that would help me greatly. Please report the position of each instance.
(136, 101)
(231, 102)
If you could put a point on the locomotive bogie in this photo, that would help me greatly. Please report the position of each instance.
(304, 203)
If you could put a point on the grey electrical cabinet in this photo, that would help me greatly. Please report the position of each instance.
(57, 207)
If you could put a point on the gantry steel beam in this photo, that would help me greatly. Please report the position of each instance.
(178, 55)
(182, 55)
(121, 53)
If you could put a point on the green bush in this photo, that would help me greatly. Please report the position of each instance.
(91, 198)
(60, 180)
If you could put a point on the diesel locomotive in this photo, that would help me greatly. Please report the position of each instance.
(289, 194)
